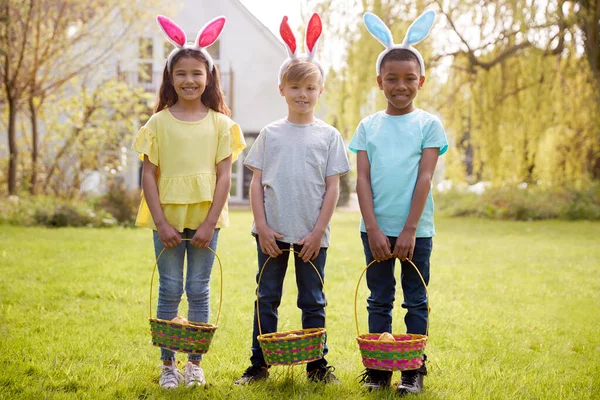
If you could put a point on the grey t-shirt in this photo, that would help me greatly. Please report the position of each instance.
(295, 160)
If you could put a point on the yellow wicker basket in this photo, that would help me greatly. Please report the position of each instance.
(292, 347)
(192, 337)
(404, 353)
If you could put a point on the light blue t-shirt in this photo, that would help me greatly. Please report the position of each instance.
(394, 145)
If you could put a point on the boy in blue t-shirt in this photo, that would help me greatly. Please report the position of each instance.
(397, 151)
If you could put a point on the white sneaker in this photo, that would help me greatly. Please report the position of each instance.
(170, 377)
(193, 375)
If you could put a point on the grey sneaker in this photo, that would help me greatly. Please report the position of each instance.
(170, 377)
(193, 375)
(252, 374)
(411, 383)
(374, 379)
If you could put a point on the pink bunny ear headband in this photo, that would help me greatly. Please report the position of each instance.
(206, 37)
(313, 32)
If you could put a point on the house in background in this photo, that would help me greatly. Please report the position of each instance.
(248, 56)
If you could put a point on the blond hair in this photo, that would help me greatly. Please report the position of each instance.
(300, 70)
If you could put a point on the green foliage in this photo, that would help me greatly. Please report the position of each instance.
(533, 203)
(121, 203)
(52, 212)
(517, 98)
(512, 314)
(61, 90)
(100, 122)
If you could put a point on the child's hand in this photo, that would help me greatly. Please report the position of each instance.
(405, 244)
(203, 235)
(380, 245)
(267, 240)
(311, 245)
(168, 235)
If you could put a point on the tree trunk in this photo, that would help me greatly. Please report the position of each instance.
(34, 147)
(12, 147)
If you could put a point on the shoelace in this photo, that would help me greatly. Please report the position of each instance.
(371, 376)
(195, 373)
(169, 375)
(409, 380)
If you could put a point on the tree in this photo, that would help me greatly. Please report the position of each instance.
(503, 76)
(46, 44)
(101, 121)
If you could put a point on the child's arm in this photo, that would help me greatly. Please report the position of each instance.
(378, 241)
(266, 235)
(405, 244)
(167, 234)
(311, 243)
(205, 231)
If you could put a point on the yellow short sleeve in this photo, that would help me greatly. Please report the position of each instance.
(145, 143)
(231, 142)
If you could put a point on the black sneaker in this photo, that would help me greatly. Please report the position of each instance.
(323, 374)
(252, 374)
(374, 379)
(412, 382)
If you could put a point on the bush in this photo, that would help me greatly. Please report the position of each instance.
(51, 212)
(527, 204)
(121, 203)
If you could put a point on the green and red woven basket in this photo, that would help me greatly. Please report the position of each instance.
(191, 337)
(292, 347)
(404, 353)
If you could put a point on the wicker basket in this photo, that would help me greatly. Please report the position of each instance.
(192, 337)
(291, 347)
(405, 353)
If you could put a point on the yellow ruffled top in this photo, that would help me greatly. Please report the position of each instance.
(187, 154)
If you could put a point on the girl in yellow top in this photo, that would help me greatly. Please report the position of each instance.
(188, 146)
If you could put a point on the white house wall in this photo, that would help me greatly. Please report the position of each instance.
(248, 49)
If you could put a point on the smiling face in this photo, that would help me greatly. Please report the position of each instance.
(302, 85)
(400, 82)
(301, 97)
(189, 79)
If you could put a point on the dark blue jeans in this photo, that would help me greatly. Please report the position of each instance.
(311, 299)
(382, 284)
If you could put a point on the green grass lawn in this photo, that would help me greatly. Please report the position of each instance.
(515, 314)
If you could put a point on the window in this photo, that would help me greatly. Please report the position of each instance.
(167, 49)
(215, 50)
(145, 60)
(234, 180)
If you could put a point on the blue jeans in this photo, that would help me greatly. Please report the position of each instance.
(382, 284)
(197, 288)
(311, 299)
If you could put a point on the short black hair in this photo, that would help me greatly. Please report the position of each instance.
(400, 55)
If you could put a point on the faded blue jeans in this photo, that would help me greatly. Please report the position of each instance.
(382, 284)
(197, 288)
(311, 299)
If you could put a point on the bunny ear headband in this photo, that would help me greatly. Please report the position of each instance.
(206, 37)
(313, 32)
(417, 31)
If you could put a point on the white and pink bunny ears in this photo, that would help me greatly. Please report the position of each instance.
(313, 32)
(205, 38)
(417, 31)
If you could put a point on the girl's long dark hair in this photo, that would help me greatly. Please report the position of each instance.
(212, 97)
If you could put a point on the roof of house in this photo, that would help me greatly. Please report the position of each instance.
(275, 40)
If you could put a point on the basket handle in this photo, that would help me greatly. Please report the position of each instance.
(220, 280)
(260, 277)
(358, 284)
